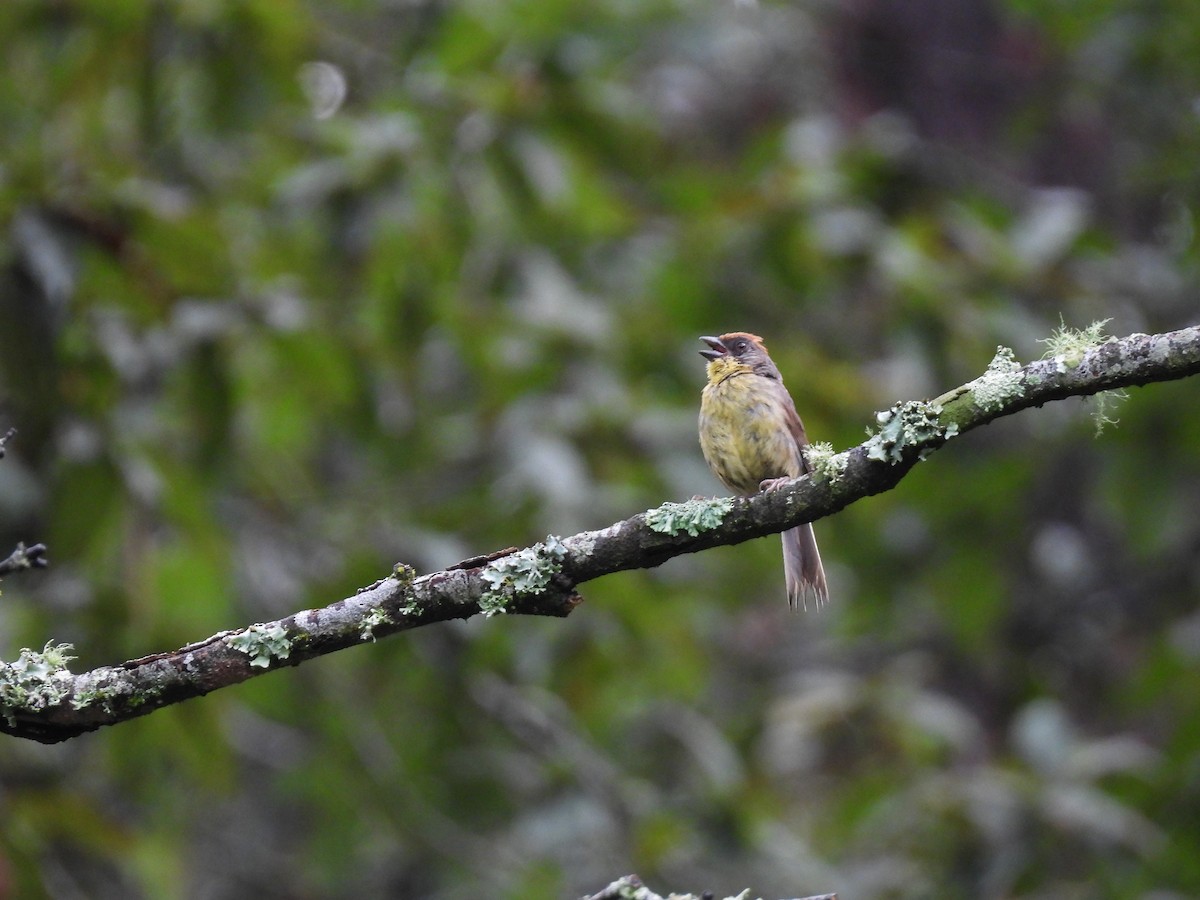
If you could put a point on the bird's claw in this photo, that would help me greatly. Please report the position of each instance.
(771, 484)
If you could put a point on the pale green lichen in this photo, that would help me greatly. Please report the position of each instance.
(1066, 346)
(404, 573)
(826, 463)
(85, 698)
(907, 424)
(262, 643)
(1106, 402)
(99, 688)
(525, 572)
(36, 679)
(695, 516)
(584, 544)
(999, 383)
(373, 620)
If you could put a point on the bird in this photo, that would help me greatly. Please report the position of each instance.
(752, 439)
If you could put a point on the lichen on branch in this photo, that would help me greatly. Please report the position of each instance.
(525, 572)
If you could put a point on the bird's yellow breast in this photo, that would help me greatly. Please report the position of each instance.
(744, 429)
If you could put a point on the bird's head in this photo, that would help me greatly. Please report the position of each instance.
(736, 353)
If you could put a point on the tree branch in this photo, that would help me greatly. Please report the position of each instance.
(631, 886)
(32, 557)
(40, 699)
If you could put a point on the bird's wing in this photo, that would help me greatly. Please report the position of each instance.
(796, 429)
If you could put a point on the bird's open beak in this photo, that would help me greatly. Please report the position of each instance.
(718, 349)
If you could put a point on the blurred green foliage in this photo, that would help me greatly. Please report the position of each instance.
(293, 291)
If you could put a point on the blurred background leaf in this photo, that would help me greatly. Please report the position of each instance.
(293, 291)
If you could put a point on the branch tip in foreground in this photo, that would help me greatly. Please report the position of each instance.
(31, 557)
(631, 888)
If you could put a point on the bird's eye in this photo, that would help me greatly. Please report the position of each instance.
(740, 346)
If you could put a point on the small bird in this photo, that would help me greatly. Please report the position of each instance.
(752, 436)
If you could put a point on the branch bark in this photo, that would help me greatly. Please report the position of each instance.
(41, 700)
(22, 558)
(31, 557)
(631, 886)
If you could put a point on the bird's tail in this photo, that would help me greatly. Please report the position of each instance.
(802, 567)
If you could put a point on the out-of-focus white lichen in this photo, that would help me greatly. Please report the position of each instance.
(631, 888)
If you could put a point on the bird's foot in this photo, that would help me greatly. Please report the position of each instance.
(771, 484)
